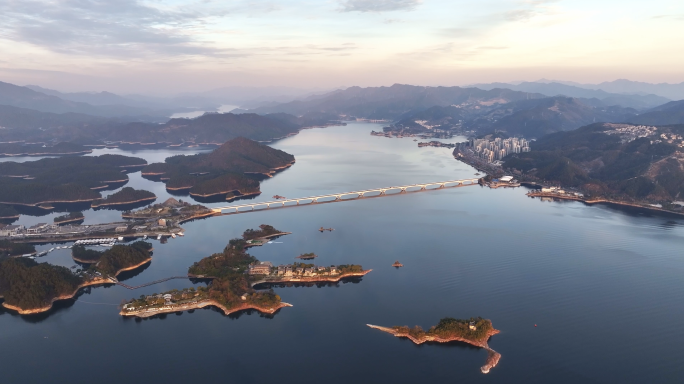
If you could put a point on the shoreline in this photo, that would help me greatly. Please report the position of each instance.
(92, 205)
(492, 358)
(249, 245)
(50, 202)
(603, 201)
(91, 283)
(314, 279)
(202, 304)
(69, 221)
(45, 154)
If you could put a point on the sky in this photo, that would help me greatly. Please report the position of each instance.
(171, 46)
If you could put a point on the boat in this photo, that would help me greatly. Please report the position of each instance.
(145, 237)
(181, 234)
(173, 235)
(397, 264)
(120, 238)
(159, 237)
(51, 249)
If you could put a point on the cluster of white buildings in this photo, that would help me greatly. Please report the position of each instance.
(629, 133)
(267, 268)
(497, 149)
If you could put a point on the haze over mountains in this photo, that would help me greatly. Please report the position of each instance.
(530, 109)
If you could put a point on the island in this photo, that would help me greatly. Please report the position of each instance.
(233, 274)
(71, 217)
(30, 288)
(171, 210)
(307, 256)
(64, 179)
(117, 259)
(125, 196)
(473, 331)
(229, 172)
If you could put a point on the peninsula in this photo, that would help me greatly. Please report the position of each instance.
(71, 217)
(474, 331)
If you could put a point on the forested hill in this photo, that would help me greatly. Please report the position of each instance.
(670, 113)
(616, 161)
(217, 128)
(530, 118)
(223, 170)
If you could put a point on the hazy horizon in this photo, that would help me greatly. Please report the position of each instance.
(176, 46)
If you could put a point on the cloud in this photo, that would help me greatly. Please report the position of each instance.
(124, 28)
(378, 5)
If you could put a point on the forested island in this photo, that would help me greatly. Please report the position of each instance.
(59, 149)
(29, 287)
(64, 179)
(230, 289)
(126, 195)
(620, 163)
(116, 259)
(474, 331)
(233, 274)
(172, 209)
(226, 171)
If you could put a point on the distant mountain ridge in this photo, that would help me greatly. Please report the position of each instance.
(23, 97)
(390, 103)
(636, 101)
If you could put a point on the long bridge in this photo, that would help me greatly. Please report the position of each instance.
(337, 197)
(117, 282)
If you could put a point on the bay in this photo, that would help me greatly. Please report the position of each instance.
(602, 285)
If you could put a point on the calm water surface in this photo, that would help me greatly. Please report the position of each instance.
(603, 286)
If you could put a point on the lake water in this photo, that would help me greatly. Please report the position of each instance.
(603, 286)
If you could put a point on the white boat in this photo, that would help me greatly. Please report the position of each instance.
(51, 249)
(120, 238)
(173, 235)
(159, 237)
(145, 237)
(181, 234)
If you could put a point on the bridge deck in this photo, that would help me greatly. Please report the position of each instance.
(338, 196)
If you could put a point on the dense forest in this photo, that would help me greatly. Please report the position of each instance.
(603, 162)
(8, 211)
(118, 257)
(8, 248)
(64, 178)
(29, 285)
(84, 255)
(124, 196)
(449, 327)
(222, 170)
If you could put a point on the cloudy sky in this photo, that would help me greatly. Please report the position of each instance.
(193, 45)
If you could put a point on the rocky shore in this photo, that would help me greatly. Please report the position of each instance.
(314, 279)
(201, 304)
(492, 358)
